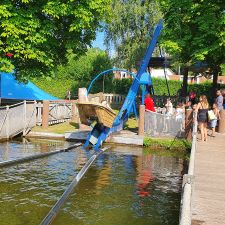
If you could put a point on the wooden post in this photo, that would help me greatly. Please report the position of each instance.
(222, 121)
(45, 114)
(82, 97)
(7, 122)
(74, 111)
(188, 123)
(101, 97)
(24, 117)
(141, 121)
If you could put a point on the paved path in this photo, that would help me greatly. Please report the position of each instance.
(209, 184)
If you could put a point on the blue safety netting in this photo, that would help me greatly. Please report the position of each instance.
(12, 89)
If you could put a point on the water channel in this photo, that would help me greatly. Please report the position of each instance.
(125, 185)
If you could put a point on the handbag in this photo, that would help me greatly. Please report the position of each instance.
(211, 115)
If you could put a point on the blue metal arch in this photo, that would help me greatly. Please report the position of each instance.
(108, 71)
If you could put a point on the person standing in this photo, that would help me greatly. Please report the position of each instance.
(213, 122)
(149, 103)
(169, 107)
(223, 94)
(68, 95)
(192, 97)
(202, 110)
(219, 100)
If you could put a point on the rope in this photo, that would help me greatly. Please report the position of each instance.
(165, 73)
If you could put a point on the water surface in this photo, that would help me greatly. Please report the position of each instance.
(124, 186)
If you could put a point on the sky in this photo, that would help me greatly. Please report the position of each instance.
(99, 41)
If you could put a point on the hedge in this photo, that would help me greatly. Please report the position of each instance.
(59, 86)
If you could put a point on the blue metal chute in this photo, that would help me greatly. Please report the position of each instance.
(142, 78)
(126, 108)
(107, 72)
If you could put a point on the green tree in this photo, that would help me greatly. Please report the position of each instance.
(131, 28)
(39, 33)
(78, 72)
(195, 31)
(84, 68)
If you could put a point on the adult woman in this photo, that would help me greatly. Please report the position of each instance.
(202, 109)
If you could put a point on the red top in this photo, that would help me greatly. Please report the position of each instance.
(149, 104)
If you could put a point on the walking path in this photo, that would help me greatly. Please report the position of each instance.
(209, 182)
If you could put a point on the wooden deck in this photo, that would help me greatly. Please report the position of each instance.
(209, 182)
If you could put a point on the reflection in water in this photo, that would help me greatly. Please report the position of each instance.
(19, 148)
(124, 186)
(144, 176)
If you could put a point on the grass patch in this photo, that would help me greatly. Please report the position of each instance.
(57, 128)
(167, 147)
(131, 124)
(166, 152)
(169, 144)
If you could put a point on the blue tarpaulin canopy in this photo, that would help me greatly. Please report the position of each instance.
(12, 89)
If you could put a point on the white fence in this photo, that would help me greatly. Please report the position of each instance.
(159, 125)
(17, 118)
(114, 100)
(187, 186)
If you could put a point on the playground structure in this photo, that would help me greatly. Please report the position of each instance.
(99, 133)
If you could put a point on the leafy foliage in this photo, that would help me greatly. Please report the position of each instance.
(39, 33)
(195, 31)
(129, 31)
(78, 72)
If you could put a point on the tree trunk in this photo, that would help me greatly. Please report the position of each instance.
(215, 78)
(185, 83)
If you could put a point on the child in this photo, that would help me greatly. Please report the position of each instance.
(213, 122)
(169, 107)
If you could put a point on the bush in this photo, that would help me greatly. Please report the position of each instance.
(57, 86)
(63, 82)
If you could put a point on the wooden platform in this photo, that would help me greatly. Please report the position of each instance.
(209, 182)
(122, 137)
(126, 137)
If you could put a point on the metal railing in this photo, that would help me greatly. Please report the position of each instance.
(17, 118)
(59, 112)
(187, 185)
